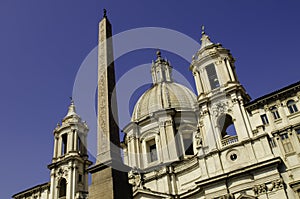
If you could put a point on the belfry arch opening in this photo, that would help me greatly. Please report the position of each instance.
(226, 126)
(62, 188)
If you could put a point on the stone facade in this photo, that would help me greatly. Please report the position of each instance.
(217, 144)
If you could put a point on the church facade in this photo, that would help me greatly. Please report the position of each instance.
(216, 144)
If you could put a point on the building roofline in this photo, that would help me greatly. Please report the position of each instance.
(274, 95)
(47, 184)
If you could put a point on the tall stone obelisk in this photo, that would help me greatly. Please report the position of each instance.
(108, 177)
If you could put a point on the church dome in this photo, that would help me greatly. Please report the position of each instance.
(162, 96)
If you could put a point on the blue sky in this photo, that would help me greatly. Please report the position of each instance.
(43, 43)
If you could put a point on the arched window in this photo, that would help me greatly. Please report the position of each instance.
(275, 112)
(228, 132)
(62, 188)
(291, 104)
(152, 150)
(226, 126)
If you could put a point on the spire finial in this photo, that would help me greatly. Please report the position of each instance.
(104, 13)
(203, 29)
(158, 53)
(205, 40)
(72, 101)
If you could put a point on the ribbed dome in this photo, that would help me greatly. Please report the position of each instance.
(164, 95)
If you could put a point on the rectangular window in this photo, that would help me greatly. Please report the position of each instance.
(79, 178)
(64, 144)
(188, 143)
(264, 119)
(287, 145)
(272, 142)
(152, 151)
(79, 145)
(212, 76)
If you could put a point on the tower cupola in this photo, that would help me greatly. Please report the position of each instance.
(161, 70)
(213, 67)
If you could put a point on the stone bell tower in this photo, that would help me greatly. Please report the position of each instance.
(69, 178)
(109, 176)
(221, 97)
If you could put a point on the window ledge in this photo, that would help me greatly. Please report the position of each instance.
(154, 163)
(277, 121)
(294, 115)
(290, 153)
(185, 157)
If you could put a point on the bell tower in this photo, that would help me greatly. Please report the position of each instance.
(213, 67)
(221, 97)
(69, 178)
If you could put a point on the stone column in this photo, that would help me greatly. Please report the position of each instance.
(163, 145)
(53, 185)
(198, 83)
(70, 181)
(75, 141)
(71, 140)
(210, 137)
(74, 181)
(239, 122)
(59, 146)
(230, 70)
(55, 146)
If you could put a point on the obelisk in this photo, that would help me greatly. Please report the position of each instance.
(108, 177)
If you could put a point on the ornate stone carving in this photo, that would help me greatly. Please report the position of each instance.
(168, 123)
(278, 184)
(198, 139)
(204, 113)
(259, 189)
(102, 114)
(267, 187)
(219, 109)
(135, 178)
(266, 108)
(62, 173)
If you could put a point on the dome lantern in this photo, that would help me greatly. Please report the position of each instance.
(161, 70)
